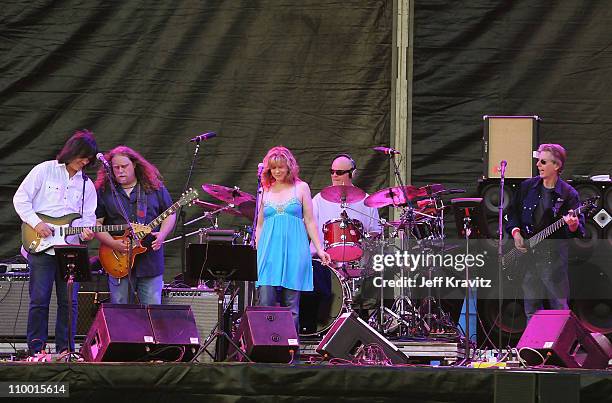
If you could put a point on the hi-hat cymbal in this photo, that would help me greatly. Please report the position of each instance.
(343, 194)
(229, 195)
(222, 209)
(393, 196)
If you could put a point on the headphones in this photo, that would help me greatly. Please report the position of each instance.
(354, 166)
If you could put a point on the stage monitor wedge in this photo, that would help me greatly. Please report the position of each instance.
(513, 139)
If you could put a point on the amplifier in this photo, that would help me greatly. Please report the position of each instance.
(14, 306)
(15, 302)
(203, 305)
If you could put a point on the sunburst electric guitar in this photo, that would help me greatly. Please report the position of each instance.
(61, 228)
(117, 264)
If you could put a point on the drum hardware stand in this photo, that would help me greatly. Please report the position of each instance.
(213, 215)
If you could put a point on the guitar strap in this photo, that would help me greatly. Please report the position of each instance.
(85, 178)
(141, 205)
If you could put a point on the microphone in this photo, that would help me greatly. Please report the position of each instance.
(203, 136)
(103, 160)
(386, 150)
(260, 168)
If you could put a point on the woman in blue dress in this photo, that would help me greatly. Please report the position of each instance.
(284, 223)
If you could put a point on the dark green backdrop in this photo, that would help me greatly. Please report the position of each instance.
(312, 75)
(475, 58)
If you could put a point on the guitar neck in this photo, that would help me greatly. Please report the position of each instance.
(548, 231)
(96, 228)
(169, 211)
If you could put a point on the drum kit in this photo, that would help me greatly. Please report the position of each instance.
(420, 226)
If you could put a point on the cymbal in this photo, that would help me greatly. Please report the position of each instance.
(212, 207)
(229, 195)
(343, 193)
(393, 196)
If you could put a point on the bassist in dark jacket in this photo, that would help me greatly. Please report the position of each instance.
(540, 201)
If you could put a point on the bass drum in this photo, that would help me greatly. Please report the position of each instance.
(321, 307)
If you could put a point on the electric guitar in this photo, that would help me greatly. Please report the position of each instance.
(510, 259)
(61, 228)
(115, 263)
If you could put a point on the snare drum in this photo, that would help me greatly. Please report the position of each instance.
(342, 239)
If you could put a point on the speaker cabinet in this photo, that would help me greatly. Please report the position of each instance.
(267, 334)
(510, 324)
(123, 333)
(510, 138)
(175, 332)
(119, 333)
(560, 338)
(349, 334)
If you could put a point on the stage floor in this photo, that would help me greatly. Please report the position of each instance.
(231, 382)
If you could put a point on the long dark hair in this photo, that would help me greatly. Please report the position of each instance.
(82, 144)
(146, 173)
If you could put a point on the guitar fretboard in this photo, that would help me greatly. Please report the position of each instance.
(169, 211)
(96, 228)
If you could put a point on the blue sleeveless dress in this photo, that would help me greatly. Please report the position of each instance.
(283, 251)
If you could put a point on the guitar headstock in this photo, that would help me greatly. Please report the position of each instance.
(187, 197)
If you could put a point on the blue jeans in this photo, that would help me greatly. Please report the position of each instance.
(44, 270)
(546, 280)
(268, 296)
(149, 290)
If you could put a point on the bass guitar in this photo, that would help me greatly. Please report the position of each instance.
(510, 259)
(117, 264)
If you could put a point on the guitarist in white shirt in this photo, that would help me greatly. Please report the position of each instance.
(56, 188)
(542, 199)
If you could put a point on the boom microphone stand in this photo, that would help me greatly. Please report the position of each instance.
(470, 224)
(500, 247)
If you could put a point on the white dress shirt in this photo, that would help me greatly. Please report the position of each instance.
(49, 190)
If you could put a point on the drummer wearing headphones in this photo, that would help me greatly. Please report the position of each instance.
(343, 171)
(327, 213)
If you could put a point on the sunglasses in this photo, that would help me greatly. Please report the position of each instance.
(544, 162)
(339, 172)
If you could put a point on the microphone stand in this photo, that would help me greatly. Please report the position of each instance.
(132, 233)
(181, 212)
(410, 217)
(258, 195)
(500, 248)
(249, 292)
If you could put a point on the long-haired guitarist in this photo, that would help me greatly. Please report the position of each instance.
(541, 200)
(54, 189)
(144, 197)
